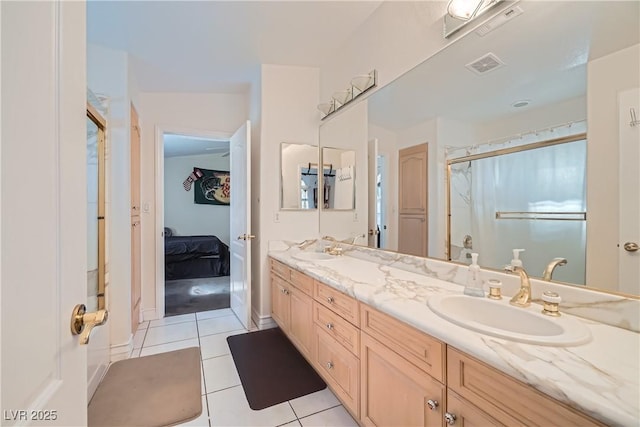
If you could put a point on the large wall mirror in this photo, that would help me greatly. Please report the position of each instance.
(338, 179)
(298, 176)
(555, 70)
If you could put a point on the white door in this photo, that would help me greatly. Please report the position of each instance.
(43, 211)
(240, 237)
(629, 232)
(373, 199)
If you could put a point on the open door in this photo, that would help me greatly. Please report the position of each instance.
(240, 235)
(629, 232)
(43, 212)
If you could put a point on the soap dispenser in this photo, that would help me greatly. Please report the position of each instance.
(516, 261)
(474, 284)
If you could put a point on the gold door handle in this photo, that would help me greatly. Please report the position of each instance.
(631, 247)
(246, 237)
(82, 323)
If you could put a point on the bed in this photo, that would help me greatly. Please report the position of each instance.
(191, 257)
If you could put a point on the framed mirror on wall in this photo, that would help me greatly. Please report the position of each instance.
(338, 179)
(299, 180)
(461, 109)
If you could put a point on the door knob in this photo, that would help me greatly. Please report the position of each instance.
(82, 323)
(246, 237)
(631, 247)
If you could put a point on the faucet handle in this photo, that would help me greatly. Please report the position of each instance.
(495, 287)
(551, 301)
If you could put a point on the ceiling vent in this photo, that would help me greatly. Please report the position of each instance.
(499, 20)
(484, 64)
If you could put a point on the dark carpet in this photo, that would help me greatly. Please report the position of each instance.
(271, 369)
(193, 295)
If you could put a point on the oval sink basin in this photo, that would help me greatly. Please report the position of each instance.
(500, 319)
(312, 256)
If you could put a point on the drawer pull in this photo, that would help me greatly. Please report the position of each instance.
(329, 365)
(284, 291)
(330, 300)
(432, 404)
(329, 326)
(450, 418)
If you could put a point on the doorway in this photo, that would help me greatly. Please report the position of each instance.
(196, 223)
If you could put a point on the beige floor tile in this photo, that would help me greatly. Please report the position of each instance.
(163, 348)
(334, 417)
(203, 315)
(218, 325)
(172, 320)
(314, 402)
(216, 345)
(170, 333)
(219, 373)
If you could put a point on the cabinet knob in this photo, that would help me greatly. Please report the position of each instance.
(330, 300)
(329, 326)
(432, 404)
(450, 418)
(329, 365)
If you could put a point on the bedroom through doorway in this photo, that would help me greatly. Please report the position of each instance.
(196, 224)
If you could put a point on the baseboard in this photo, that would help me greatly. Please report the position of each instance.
(122, 351)
(262, 322)
(149, 314)
(94, 381)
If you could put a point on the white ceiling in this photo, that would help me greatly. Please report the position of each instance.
(181, 145)
(217, 46)
(545, 51)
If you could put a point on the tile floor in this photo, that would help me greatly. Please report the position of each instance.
(223, 400)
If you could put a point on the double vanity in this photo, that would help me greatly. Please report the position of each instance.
(399, 344)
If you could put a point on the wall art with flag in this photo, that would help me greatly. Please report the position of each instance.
(213, 188)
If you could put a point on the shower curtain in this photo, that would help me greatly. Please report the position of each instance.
(550, 179)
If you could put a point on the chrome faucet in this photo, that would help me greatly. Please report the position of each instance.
(548, 272)
(523, 297)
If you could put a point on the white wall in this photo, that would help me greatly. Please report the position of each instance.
(606, 77)
(288, 97)
(187, 113)
(180, 212)
(108, 75)
(395, 38)
(348, 130)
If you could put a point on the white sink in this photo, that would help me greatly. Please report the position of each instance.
(500, 319)
(312, 256)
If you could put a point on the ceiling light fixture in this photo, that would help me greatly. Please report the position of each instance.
(461, 12)
(359, 85)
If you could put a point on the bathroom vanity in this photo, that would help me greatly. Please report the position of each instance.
(363, 322)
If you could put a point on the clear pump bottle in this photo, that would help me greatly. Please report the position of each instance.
(474, 283)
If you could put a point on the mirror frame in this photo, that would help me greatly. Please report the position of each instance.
(317, 162)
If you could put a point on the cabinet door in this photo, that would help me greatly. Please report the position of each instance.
(466, 414)
(301, 321)
(395, 392)
(280, 302)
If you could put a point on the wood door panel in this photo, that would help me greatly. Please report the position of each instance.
(412, 169)
(412, 235)
(301, 324)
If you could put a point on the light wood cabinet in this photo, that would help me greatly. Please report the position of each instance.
(339, 368)
(388, 373)
(504, 398)
(394, 392)
(291, 307)
(301, 321)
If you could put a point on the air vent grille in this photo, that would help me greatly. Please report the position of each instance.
(484, 64)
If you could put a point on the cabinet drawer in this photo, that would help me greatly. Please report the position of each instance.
(339, 368)
(280, 269)
(468, 415)
(422, 350)
(336, 301)
(301, 281)
(500, 395)
(338, 328)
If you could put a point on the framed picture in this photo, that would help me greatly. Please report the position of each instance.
(214, 188)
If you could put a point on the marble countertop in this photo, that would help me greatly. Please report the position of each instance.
(600, 378)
